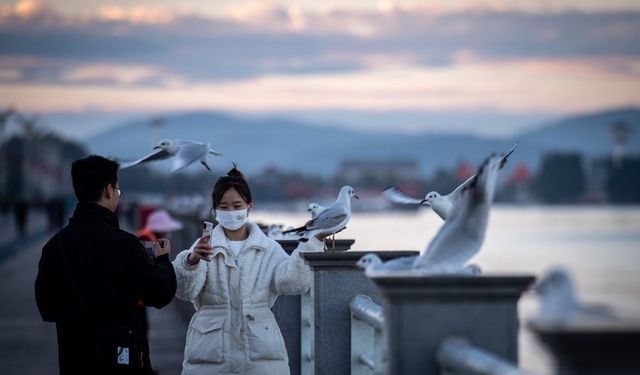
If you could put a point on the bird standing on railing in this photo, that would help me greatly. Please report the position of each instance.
(184, 153)
(560, 305)
(315, 209)
(331, 220)
(440, 204)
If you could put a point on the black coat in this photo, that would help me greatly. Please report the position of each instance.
(93, 278)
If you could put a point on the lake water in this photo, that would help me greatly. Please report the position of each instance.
(600, 245)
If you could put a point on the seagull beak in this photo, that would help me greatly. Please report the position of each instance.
(308, 210)
(355, 196)
(157, 148)
(424, 201)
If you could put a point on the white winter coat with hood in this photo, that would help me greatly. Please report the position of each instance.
(233, 330)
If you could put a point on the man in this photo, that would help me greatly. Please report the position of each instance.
(94, 279)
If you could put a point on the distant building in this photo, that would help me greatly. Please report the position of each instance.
(380, 171)
(37, 168)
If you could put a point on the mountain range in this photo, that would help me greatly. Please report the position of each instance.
(293, 145)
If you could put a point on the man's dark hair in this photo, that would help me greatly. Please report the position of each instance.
(91, 175)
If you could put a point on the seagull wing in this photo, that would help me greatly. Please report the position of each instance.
(395, 195)
(462, 185)
(401, 263)
(328, 219)
(158, 154)
(500, 162)
(462, 234)
(189, 153)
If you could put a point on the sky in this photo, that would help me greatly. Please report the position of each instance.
(528, 59)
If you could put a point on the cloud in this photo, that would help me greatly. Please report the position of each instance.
(264, 38)
(512, 86)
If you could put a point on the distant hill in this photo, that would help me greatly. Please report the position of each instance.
(293, 145)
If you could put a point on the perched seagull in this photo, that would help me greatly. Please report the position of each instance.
(274, 231)
(440, 204)
(183, 153)
(331, 220)
(315, 208)
(371, 262)
(560, 305)
(462, 234)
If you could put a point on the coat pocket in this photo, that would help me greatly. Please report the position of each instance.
(265, 340)
(204, 341)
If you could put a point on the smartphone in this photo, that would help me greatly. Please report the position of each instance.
(207, 228)
(149, 248)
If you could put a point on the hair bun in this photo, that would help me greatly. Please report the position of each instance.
(234, 172)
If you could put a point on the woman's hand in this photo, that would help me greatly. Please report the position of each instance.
(202, 251)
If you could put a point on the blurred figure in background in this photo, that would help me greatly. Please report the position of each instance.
(159, 225)
(20, 213)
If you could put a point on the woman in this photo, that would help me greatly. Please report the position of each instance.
(233, 278)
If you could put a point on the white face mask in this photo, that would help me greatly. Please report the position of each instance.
(232, 220)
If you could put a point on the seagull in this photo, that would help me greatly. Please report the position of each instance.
(184, 153)
(315, 208)
(459, 238)
(371, 262)
(440, 204)
(560, 305)
(274, 231)
(462, 234)
(332, 219)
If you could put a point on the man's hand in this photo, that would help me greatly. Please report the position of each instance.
(162, 247)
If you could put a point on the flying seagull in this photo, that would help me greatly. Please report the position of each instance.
(183, 153)
(440, 204)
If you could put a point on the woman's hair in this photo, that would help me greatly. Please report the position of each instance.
(234, 179)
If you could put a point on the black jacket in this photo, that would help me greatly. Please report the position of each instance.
(93, 278)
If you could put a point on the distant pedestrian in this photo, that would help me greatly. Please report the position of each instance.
(21, 214)
(92, 277)
(159, 226)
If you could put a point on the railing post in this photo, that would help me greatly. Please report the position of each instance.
(421, 311)
(292, 317)
(592, 349)
(335, 282)
(367, 336)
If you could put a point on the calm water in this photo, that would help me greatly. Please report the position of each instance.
(599, 245)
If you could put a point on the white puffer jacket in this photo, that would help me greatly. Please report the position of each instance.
(233, 330)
